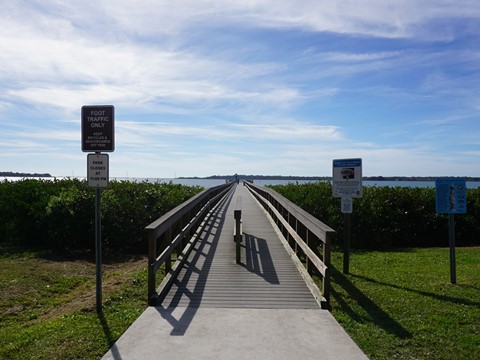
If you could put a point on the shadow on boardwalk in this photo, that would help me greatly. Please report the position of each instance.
(195, 267)
(258, 259)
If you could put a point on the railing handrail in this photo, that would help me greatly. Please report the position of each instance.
(166, 222)
(159, 226)
(272, 201)
(317, 227)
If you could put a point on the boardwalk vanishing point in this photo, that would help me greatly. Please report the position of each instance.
(212, 307)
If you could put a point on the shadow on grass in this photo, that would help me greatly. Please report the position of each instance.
(376, 313)
(445, 298)
(108, 335)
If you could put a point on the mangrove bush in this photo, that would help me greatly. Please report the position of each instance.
(59, 214)
(388, 217)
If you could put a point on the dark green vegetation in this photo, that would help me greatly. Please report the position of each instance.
(401, 305)
(59, 214)
(389, 217)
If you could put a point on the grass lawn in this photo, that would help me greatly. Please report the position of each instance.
(401, 304)
(47, 305)
(395, 305)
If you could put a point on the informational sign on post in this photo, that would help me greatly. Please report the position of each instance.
(347, 184)
(451, 199)
(347, 178)
(451, 196)
(347, 205)
(97, 170)
(98, 128)
(98, 135)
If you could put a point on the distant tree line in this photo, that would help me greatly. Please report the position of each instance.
(19, 174)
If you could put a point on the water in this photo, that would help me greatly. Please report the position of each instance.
(214, 182)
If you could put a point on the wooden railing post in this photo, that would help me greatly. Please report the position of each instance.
(237, 215)
(152, 254)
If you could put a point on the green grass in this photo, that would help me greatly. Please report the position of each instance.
(401, 304)
(47, 305)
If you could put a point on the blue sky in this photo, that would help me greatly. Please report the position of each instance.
(271, 87)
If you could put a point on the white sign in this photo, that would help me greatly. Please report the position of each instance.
(347, 178)
(97, 171)
(347, 205)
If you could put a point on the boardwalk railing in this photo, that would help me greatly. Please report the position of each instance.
(172, 232)
(309, 238)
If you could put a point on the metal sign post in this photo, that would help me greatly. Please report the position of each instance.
(97, 177)
(98, 135)
(347, 184)
(451, 199)
(98, 250)
(347, 208)
(451, 243)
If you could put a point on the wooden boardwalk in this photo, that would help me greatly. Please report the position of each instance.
(266, 278)
(218, 309)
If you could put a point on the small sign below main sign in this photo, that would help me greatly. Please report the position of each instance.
(347, 178)
(97, 128)
(347, 205)
(97, 172)
(451, 196)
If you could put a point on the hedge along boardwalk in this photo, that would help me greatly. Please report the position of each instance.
(216, 308)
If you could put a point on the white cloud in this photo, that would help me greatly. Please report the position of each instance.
(392, 19)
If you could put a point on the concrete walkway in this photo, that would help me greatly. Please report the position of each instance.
(218, 309)
(228, 334)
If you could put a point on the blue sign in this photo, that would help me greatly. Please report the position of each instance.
(451, 196)
(347, 163)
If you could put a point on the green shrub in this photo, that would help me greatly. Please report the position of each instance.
(387, 217)
(59, 214)
(127, 207)
(22, 210)
(70, 217)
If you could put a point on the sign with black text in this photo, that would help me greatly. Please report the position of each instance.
(98, 128)
(97, 171)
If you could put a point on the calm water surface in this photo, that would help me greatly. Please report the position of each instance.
(214, 182)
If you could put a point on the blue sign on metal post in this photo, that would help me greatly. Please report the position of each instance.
(451, 196)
